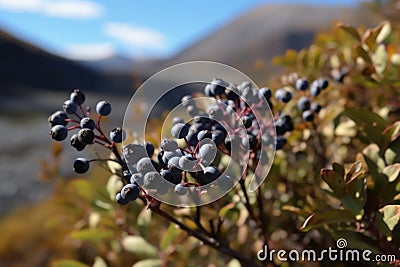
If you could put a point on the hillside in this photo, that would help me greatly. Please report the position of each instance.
(265, 32)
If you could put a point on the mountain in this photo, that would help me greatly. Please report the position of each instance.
(265, 32)
(24, 66)
(112, 64)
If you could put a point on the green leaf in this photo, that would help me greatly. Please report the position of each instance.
(370, 124)
(363, 54)
(334, 180)
(68, 263)
(391, 215)
(94, 235)
(169, 236)
(372, 157)
(392, 172)
(148, 263)
(381, 225)
(350, 30)
(357, 240)
(328, 217)
(392, 154)
(139, 246)
(143, 221)
(351, 204)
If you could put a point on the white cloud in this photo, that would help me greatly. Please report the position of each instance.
(75, 9)
(135, 36)
(89, 51)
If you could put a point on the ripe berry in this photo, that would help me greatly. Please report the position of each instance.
(134, 152)
(59, 132)
(180, 189)
(250, 96)
(78, 145)
(280, 126)
(137, 178)
(210, 174)
(316, 107)
(77, 97)
(70, 107)
(103, 108)
(218, 137)
(188, 163)
(215, 113)
(86, 136)
(203, 134)
(88, 123)
(280, 142)
(130, 192)
(149, 149)
(180, 130)
(323, 83)
(217, 87)
(176, 120)
(81, 165)
(168, 145)
(152, 180)
(187, 101)
(247, 121)
(315, 88)
(304, 103)
(308, 115)
(117, 135)
(120, 200)
(302, 84)
(58, 118)
(232, 92)
(283, 96)
(207, 151)
(192, 110)
(265, 92)
(225, 182)
(145, 165)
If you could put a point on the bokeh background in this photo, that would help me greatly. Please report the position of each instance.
(107, 48)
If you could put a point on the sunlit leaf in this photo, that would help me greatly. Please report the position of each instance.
(392, 172)
(139, 246)
(168, 236)
(391, 215)
(334, 180)
(148, 263)
(385, 32)
(380, 58)
(99, 262)
(327, 217)
(68, 263)
(94, 234)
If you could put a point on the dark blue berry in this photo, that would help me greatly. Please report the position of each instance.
(247, 121)
(323, 83)
(316, 107)
(130, 192)
(103, 108)
(78, 145)
(283, 96)
(59, 132)
(302, 84)
(203, 134)
(145, 165)
(152, 180)
(86, 136)
(58, 118)
(218, 137)
(137, 178)
(180, 130)
(303, 103)
(188, 163)
(315, 88)
(193, 110)
(187, 101)
(232, 92)
(211, 173)
(169, 145)
(117, 135)
(81, 165)
(308, 115)
(280, 142)
(217, 87)
(180, 189)
(120, 200)
(77, 97)
(149, 149)
(176, 120)
(88, 123)
(215, 112)
(70, 107)
(265, 92)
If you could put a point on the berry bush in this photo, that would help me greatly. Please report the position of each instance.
(329, 137)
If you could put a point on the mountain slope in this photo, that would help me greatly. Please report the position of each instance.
(23, 65)
(265, 32)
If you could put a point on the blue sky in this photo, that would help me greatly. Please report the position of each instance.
(93, 29)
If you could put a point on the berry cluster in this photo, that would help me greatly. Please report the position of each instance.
(73, 117)
(234, 123)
